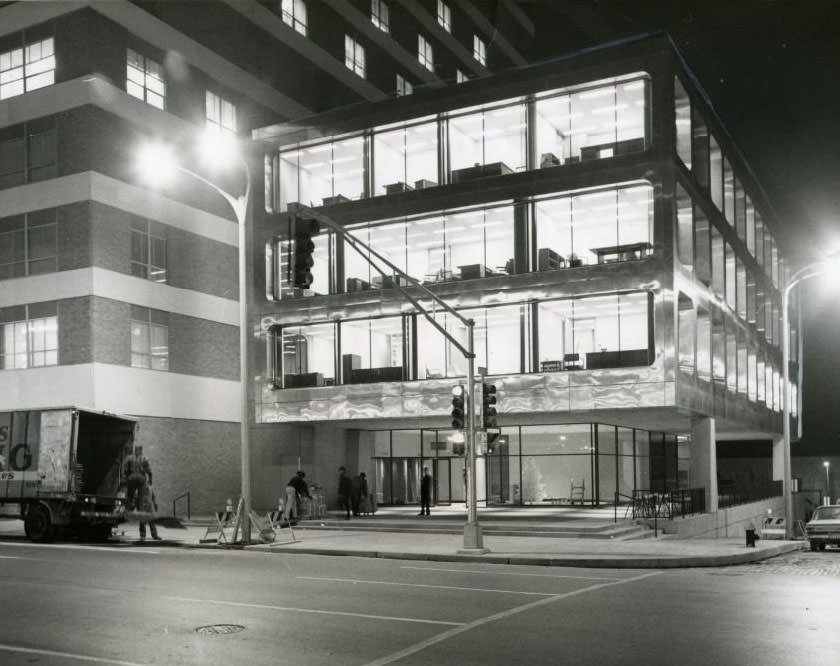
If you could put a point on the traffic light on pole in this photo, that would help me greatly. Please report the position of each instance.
(459, 407)
(488, 410)
(302, 261)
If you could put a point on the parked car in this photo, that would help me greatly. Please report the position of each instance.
(824, 527)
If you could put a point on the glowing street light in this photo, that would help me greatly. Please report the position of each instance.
(805, 273)
(158, 165)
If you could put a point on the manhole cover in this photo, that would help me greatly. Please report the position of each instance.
(220, 629)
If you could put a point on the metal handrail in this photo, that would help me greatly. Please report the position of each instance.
(177, 499)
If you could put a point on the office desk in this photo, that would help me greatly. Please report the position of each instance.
(473, 271)
(396, 188)
(626, 252)
(480, 171)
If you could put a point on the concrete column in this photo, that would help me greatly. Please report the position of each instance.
(778, 458)
(704, 460)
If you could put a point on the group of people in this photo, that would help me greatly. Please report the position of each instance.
(353, 494)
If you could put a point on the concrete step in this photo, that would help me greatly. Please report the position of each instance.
(571, 530)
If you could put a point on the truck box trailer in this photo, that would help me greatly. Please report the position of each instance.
(63, 467)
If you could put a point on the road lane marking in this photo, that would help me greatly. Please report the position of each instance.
(70, 546)
(314, 611)
(451, 633)
(68, 655)
(437, 587)
(508, 573)
(10, 557)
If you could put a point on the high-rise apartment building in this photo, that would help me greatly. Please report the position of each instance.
(122, 297)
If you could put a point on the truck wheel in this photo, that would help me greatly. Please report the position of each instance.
(38, 524)
(813, 546)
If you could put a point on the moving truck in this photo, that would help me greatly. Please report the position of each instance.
(63, 468)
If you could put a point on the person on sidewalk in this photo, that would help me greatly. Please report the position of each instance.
(425, 493)
(345, 490)
(147, 503)
(295, 489)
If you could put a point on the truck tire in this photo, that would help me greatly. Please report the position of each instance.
(38, 524)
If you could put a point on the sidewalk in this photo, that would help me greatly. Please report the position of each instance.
(663, 552)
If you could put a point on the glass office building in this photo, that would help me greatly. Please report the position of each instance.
(594, 220)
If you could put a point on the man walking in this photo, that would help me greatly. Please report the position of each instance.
(425, 493)
(345, 490)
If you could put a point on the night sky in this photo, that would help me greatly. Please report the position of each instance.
(771, 69)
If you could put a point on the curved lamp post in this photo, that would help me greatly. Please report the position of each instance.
(157, 163)
(805, 273)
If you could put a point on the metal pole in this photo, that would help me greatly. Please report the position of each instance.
(473, 540)
(242, 210)
(786, 465)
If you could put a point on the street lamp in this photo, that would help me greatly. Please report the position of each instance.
(805, 273)
(158, 165)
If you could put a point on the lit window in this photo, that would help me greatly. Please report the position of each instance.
(144, 79)
(221, 114)
(27, 68)
(354, 56)
(460, 77)
(149, 339)
(444, 16)
(425, 54)
(479, 50)
(403, 87)
(294, 14)
(148, 251)
(379, 15)
(30, 342)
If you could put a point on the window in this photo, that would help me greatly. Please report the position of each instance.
(405, 157)
(592, 122)
(307, 352)
(460, 77)
(379, 15)
(148, 251)
(479, 50)
(425, 53)
(149, 339)
(27, 68)
(682, 112)
(403, 87)
(588, 227)
(294, 14)
(493, 136)
(29, 336)
(354, 56)
(594, 332)
(28, 244)
(221, 114)
(444, 16)
(28, 152)
(144, 79)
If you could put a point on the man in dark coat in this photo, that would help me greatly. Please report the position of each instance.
(295, 489)
(345, 491)
(425, 493)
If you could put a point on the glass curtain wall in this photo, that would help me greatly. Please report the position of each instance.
(538, 465)
(599, 120)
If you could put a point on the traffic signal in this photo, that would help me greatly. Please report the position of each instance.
(302, 262)
(459, 407)
(488, 400)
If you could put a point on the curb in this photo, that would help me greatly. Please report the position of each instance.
(653, 562)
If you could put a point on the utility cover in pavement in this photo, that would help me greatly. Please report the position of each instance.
(220, 629)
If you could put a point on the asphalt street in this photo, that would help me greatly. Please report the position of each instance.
(69, 604)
